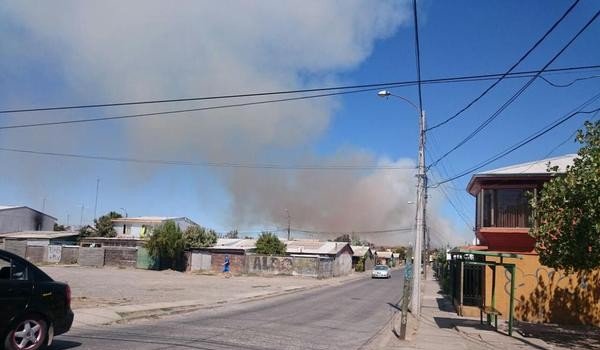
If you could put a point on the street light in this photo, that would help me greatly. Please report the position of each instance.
(421, 205)
(124, 211)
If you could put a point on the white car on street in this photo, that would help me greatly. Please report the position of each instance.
(381, 271)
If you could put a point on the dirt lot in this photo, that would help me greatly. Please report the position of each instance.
(97, 287)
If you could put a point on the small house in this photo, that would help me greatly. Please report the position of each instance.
(365, 254)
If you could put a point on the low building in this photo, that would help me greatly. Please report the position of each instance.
(22, 218)
(338, 253)
(384, 258)
(364, 253)
(34, 245)
(143, 226)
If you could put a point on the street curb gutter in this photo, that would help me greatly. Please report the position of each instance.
(123, 314)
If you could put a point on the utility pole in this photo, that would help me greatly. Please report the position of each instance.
(96, 203)
(81, 218)
(44, 205)
(289, 223)
(421, 198)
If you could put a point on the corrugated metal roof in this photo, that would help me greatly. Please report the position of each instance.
(7, 207)
(534, 167)
(39, 234)
(359, 250)
(234, 243)
(4, 207)
(314, 247)
(385, 255)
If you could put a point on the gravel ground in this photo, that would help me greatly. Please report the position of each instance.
(97, 287)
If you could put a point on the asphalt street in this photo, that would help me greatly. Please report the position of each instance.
(341, 317)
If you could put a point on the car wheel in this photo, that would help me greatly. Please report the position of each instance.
(28, 334)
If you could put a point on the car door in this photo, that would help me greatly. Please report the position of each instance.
(15, 289)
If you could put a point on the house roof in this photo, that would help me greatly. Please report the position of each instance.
(147, 219)
(306, 246)
(234, 244)
(360, 250)
(8, 207)
(533, 169)
(39, 234)
(385, 255)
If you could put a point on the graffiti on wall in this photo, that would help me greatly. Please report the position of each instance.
(275, 264)
(549, 295)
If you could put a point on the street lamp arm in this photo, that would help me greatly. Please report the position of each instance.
(386, 93)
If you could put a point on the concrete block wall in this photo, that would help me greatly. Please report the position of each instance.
(36, 254)
(69, 255)
(325, 268)
(306, 266)
(120, 256)
(91, 257)
(16, 247)
(237, 263)
(200, 261)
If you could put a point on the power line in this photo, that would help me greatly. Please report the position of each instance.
(540, 40)
(568, 84)
(234, 105)
(461, 213)
(569, 138)
(178, 111)
(207, 164)
(523, 142)
(375, 86)
(517, 94)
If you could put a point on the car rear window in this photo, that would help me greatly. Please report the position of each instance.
(11, 269)
(379, 267)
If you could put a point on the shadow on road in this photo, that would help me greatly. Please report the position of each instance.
(59, 344)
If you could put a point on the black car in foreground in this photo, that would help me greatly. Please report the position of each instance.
(33, 307)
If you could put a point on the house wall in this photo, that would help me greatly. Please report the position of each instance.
(16, 247)
(369, 262)
(36, 254)
(342, 265)
(120, 256)
(543, 294)
(69, 255)
(237, 262)
(200, 261)
(24, 219)
(91, 257)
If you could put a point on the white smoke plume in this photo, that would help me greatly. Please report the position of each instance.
(129, 50)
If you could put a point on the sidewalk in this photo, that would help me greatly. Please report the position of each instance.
(109, 295)
(441, 328)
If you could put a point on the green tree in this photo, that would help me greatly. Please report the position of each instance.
(232, 234)
(401, 251)
(567, 210)
(343, 238)
(269, 244)
(166, 243)
(104, 224)
(58, 227)
(199, 237)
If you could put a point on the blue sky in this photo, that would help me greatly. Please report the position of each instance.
(153, 52)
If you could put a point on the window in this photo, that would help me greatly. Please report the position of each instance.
(12, 270)
(504, 208)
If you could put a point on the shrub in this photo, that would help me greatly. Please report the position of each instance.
(269, 244)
